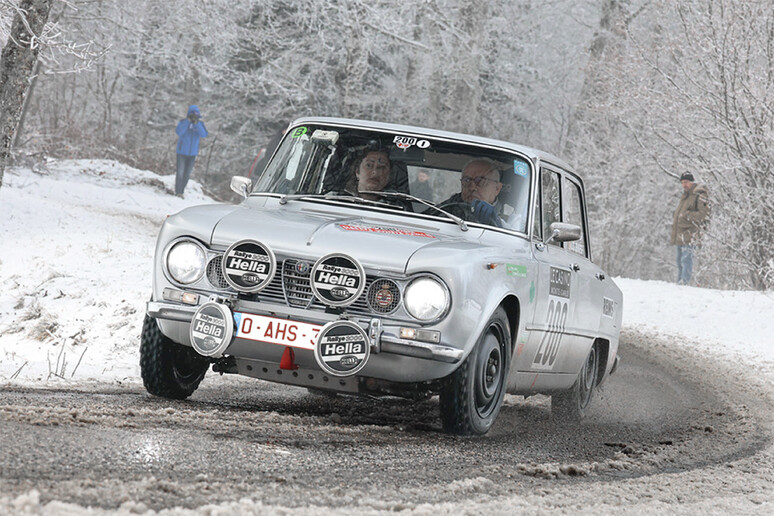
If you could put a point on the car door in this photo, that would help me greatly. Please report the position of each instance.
(585, 316)
(556, 289)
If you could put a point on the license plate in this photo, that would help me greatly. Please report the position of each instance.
(272, 330)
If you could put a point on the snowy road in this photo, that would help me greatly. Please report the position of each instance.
(663, 416)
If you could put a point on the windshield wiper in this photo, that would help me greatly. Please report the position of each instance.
(409, 197)
(289, 197)
(330, 196)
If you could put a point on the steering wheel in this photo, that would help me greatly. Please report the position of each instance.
(470, 214)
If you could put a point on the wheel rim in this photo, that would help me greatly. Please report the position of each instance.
(187, 367)
(489, 373)
(587, 377)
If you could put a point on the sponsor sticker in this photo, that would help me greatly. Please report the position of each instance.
(248, 266)
(608, 307)
(404, 142)
(560, 283)
(520, 271)
(342, 348)
(337, 280)
(298, 132)
(211, 329)
(384, 229)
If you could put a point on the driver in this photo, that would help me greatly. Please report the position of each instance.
(480, 187)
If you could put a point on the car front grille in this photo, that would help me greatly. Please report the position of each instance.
(291, 287)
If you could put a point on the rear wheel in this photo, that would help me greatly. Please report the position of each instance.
(168, 369)
(472, 396)
(572, 405)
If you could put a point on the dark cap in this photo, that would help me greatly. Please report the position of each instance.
(687, 176)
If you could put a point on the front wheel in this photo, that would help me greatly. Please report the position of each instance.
(168, 369)
(472, 396)
(573, 405)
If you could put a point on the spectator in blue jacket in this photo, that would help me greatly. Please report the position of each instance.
(189, 130)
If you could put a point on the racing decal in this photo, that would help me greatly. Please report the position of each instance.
(337, 280)
(383, 296)
(520, 271)
(384, 229)
(342, 348)
(211, 329)
(560, 283)
(520, 168)
(298, 132)
(608, 307)
(404, 142)
(249, 266)
(531, 292)
(545, 357)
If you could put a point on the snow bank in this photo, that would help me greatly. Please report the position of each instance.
(75, 268)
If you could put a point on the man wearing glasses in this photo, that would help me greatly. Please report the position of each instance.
(477, 199)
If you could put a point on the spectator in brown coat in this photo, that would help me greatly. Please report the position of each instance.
(689, 221)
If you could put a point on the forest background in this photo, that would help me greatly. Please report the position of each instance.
(631, 92)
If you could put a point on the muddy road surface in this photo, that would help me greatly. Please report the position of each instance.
(670, 429)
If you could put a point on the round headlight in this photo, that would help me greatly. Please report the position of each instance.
(426, 299)
(185, 262)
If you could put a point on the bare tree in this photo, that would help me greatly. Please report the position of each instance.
(16, 66)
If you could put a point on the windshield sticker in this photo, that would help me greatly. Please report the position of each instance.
(299, 131)
(520, 168)
(384, 229)
(404, 142)
(520, 271)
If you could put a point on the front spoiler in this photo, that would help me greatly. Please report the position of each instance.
(384, 342)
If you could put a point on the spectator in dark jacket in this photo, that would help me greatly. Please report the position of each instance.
(189, 131)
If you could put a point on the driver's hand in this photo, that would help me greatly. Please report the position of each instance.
(483, 211)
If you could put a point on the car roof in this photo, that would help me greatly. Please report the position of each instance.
(413, 130)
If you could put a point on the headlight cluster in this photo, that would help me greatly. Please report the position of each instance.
(186, 262)
(426, 299)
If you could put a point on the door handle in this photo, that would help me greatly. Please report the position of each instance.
(575, 267)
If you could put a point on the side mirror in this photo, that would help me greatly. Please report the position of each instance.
(242, 185)
(563, 232)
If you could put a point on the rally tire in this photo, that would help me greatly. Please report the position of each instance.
(572, 406)
(169, 370)
(472, 396)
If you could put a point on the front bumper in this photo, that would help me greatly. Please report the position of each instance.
(385, 341)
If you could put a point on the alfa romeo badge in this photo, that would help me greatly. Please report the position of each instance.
(212, 329)
(249, 266)
(337, 280)
(342, 348)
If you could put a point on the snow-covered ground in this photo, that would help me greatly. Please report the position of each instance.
(75, 267)
(76, 252)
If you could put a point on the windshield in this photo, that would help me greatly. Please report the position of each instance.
(476, 184)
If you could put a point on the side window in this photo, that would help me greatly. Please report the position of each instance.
(573, 214)
(537, 228)
(549, 193)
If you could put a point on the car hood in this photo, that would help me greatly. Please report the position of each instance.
(310, 234)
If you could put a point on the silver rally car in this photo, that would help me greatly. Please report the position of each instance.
(383, 259)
